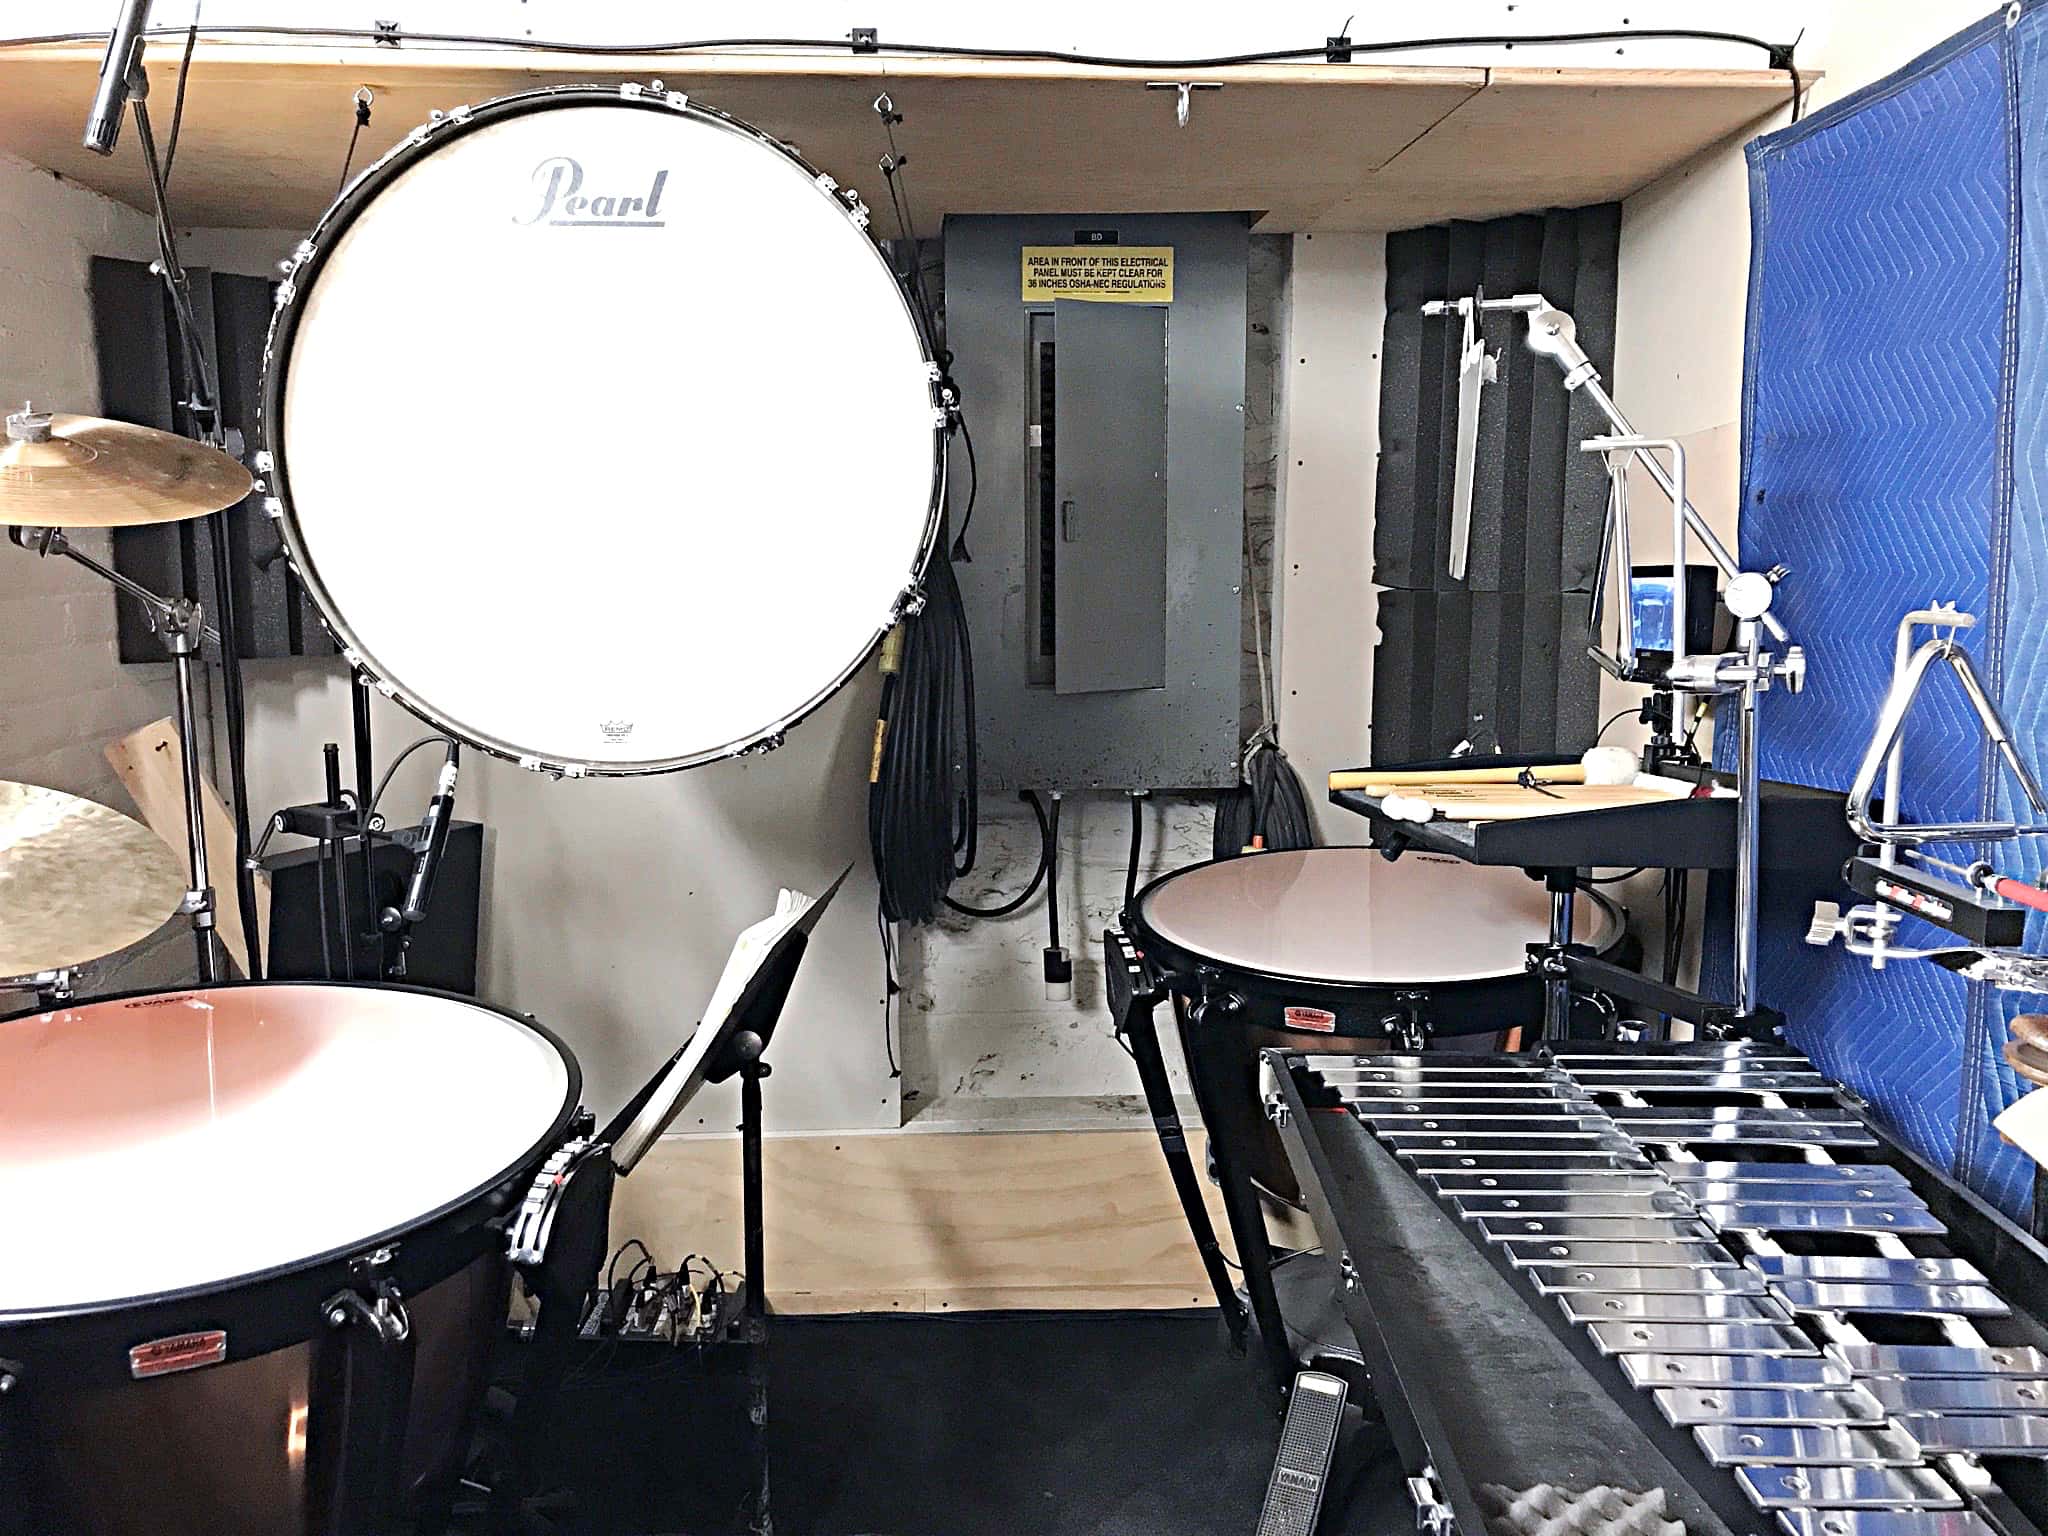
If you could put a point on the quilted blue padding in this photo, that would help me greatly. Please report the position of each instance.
(1876, 342)
(2002, 1172)
(1895, 453)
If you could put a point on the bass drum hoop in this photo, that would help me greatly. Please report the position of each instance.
(274, 478)
(276, 1308)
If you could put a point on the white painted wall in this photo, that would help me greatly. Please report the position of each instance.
(1328, 606)
(61, 687)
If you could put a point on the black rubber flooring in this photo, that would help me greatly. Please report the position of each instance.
(1057, 1424)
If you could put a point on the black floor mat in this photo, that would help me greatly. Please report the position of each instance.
(1062, 1424)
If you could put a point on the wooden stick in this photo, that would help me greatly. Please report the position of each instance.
(152, 769)
(1368, 778)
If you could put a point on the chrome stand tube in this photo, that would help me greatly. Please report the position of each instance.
(1748, 839)
(198, 904)
(1557, 987)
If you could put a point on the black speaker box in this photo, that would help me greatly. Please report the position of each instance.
(443, 949)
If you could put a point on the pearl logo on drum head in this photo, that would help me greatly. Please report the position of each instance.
(559, 182)
(180, 1352)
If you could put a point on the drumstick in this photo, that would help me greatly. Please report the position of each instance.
(1368, 778)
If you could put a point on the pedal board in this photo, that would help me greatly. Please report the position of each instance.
(1301, 1468)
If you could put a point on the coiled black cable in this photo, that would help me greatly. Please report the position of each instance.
(922, 805)
(1045, 861)
(1270, 806)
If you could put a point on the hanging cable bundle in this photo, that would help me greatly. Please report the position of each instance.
(922, 806)
(1269, 809)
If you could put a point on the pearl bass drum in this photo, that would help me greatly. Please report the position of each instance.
(600, 431)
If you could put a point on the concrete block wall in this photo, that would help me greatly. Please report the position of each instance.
(63, 692)
(63, 695)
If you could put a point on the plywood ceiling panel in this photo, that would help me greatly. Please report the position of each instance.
(1555, 138)
(1303, 146)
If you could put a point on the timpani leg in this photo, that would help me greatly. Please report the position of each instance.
(1214, 1068)
(1142, 1030)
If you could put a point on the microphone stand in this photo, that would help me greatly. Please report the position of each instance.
(202, 409)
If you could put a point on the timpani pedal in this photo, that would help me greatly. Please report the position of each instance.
(1301, 1469)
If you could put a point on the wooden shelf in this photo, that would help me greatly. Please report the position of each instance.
(1303, 147)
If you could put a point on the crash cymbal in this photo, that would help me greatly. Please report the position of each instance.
(78, 880)
(59, 471)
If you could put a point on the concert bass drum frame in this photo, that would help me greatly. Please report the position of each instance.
(681, 484)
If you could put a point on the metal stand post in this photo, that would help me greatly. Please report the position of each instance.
(198, 902)
(202, 407)
(359, 712)
(748, 1046)
(1557, 987)
(1748, 849)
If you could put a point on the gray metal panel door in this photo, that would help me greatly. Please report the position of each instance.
(1109, 567)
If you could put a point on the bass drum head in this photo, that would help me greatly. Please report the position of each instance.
(217, 1135)
(600, 431)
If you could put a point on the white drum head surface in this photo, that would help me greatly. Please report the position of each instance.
(1347, 915)
(184, 1139)
(607, 438)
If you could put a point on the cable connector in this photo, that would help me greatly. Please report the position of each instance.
(1337, 50)
(1059, 974)
(866, 40)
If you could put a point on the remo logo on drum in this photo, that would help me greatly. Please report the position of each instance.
(560, 180)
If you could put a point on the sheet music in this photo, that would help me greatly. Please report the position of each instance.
(793, 909)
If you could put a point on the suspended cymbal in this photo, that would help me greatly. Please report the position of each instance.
(78, 880)
(59, 471)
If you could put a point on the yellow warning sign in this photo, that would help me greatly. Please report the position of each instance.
(1105, 274)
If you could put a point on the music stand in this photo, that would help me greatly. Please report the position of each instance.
(722, 1048)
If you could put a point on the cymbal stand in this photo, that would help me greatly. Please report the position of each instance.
(202, 407)
(181, 625)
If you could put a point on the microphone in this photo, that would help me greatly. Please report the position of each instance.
(426, 863)
(434, 839)
(124, 49)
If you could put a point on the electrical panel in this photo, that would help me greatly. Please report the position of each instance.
(1100, 360)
